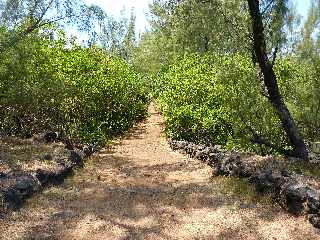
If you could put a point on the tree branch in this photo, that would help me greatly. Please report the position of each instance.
(274, 55)
(259, 140)
(267, 7)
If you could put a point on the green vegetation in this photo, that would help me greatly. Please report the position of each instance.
(233, 187)
(217, 99)
(82, 92)
(87, 92)
(237, 74)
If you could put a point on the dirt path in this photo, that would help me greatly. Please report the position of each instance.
(140, 189)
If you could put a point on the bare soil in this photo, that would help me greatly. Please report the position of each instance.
(138, 188)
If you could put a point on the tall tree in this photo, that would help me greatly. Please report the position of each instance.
(129, 40)
(200, 26)
(269, 77)
(118, 36)
(309, 46)
(23, 17)
(189, 26)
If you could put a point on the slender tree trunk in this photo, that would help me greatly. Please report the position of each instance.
(270, 81)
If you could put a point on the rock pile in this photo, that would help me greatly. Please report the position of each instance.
(18, 185)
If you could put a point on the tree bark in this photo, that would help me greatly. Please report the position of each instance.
(270, 80)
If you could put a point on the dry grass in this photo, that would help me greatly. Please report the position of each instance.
(305, 168)
(137, 188)
(26, 154)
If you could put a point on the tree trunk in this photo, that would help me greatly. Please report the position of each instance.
(270, 81)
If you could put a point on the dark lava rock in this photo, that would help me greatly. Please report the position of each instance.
(202, 154)
(45, 177)
(53, 177)
(68, 144)
(17, 186)
(296, 196)
(76, 157)
(215, 172)
(199, 148)
(47, 157)
(190, 149)
(88, 150)
(268, 180)
(50, 137)
(314, 158)
(71, 158)
(12, 198)
(215, 156)
(314, 219)
(214, 159)
(230, 165)
(285, 173)
(217, 148)
(176, 145)
(313, 201)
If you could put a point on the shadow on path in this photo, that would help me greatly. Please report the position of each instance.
(138, 188)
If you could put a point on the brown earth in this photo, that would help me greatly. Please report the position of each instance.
(27, 154)
(138, 188)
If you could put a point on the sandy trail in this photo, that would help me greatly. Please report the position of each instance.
(138, 188)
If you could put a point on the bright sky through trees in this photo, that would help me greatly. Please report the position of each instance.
(114, 7)
(303, 6)
(141, 7)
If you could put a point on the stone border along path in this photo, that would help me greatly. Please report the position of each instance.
(18, 185)
(138, 188)
(297, 193)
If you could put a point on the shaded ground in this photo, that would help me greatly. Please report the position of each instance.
(27, 154)
(138, 188)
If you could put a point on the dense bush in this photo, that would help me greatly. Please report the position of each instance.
(300, 82)
(56, 85)
(218, 99)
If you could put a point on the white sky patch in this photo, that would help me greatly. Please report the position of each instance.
(114, 8)
(303, 7)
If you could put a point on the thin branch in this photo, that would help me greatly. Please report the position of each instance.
(32, 28)
(46, 9)
(33, 9)
(37, 24)
(267, 7)
(57, 20)
(274, 55)
(259, 140)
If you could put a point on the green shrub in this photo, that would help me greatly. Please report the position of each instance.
(300, 83)
(82, 92)
(218, 99)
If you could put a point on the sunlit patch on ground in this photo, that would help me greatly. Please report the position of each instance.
(138, 188)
